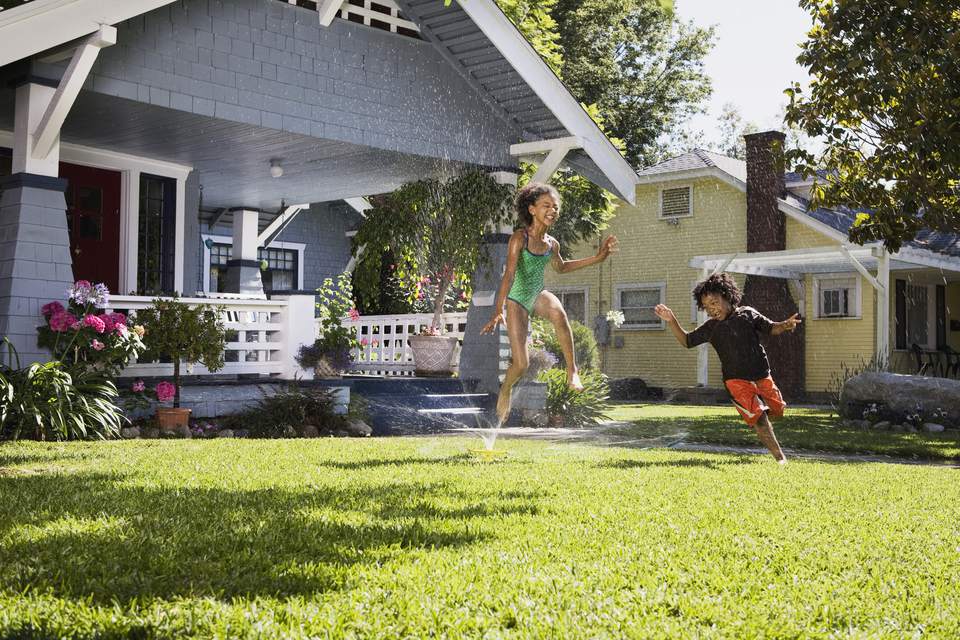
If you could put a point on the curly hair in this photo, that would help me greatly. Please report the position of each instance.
(720, 284)
(528, 195)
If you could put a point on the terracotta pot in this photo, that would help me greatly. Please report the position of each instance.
(169, 418)
(433, 355)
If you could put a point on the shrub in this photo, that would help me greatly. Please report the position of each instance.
(839, 378)
(45, 401)
(584, 343)
(285, 413)
(335, 341)
(578, 408)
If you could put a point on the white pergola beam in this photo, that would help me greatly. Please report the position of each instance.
(360, 205)
(556, 150)
(48, 131)
(862, 269)
(328, 10)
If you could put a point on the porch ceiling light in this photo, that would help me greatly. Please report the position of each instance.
(276, 170)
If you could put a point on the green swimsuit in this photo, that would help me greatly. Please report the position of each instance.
(528, 278)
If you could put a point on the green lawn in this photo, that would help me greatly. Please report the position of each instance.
(806, 429)
(410, 538)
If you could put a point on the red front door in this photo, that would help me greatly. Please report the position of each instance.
(93, 218)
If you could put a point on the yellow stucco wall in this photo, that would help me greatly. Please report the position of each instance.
(654, 251)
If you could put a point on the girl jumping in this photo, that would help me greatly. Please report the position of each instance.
(521, 289)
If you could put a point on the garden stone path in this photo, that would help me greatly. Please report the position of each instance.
(607, 434)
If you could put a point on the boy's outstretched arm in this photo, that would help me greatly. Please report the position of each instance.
(786, 326)
(666, 314)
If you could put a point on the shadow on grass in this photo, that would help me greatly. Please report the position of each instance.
(99, 537)
(682, 462)
(808, 433)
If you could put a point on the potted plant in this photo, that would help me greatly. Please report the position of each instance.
(434, 230)
(330, 354)
(187, 335)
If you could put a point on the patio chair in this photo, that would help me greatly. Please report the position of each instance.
(919, 357)
(950, 362)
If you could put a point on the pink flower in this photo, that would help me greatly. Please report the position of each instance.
(107, 321)
(50, 309)
(138, 386)
(62, 321)
(165, 391)
(364, 342)
(82, 284)
(375, 343)
(97, 345)
(95, 323)
(120, 329)
(354, 314)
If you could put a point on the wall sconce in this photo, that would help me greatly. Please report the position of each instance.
(275, 169)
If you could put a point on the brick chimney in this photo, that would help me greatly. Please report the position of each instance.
(767, 231)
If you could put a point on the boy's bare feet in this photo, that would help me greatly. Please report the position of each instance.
(573, 381)
(765, 432)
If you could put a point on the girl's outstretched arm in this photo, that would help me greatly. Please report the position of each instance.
(607, 246)
(513, 254)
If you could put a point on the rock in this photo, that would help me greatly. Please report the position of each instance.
(358, 429)
(310, 431)
(535, 418)
(883, 425)
(151, 433)
(909, 428)
(340, 433)
(130, 433)
(901, 394)
(932, 427)
(241, 433)
(225, 433)
(289, 432)
(899, 428)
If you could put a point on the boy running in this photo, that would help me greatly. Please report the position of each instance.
(734, 332)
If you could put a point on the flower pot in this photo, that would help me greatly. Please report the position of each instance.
(433, 355)
(170, 418)
(555, 422)
(326, 369)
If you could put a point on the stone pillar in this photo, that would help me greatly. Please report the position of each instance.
(35, 261)
(484, 358)
(767, 231)
(243, 269)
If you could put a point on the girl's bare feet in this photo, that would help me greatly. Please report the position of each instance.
(573, 381)
(503, 406)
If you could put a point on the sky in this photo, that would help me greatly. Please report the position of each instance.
(753, 59)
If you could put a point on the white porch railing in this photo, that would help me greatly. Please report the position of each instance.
(383, 341)
(263, 336)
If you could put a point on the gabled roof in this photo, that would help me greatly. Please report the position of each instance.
(474, 36)
(837, 220)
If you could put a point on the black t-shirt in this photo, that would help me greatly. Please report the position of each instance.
(737, 341)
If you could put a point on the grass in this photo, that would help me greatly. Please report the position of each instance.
(411, 538)
(804, 429)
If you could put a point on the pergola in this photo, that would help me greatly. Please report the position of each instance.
(872, 261)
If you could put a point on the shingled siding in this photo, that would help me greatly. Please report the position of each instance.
(271, 64)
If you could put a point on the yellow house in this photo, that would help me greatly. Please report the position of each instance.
(702, 212)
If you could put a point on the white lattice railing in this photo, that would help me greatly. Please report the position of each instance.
(379, 14)
(383, 341)
(257, 336)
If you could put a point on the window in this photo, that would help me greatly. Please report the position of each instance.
(637, 301)
(574, 302)
(284, 264)
(676, 202)
(837, 296)
(155, 245)
(920, 315)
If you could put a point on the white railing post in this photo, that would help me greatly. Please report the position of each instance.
(298, 329)
(384, 340)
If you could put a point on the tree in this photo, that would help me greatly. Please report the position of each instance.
(732, 128)
(638, 64)
(885, 99)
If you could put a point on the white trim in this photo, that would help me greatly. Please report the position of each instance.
(283, 218)
(798, 214)
(584, 289)
(328, 10)
(620, 288)
(299, 247)
(857, 301)
(688, 187)
(44, 24)
(686, 175)
(527, 150)
(544, 82)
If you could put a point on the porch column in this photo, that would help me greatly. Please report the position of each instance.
(484, 358)
(883, 306)
(243, 269)
(35, 261)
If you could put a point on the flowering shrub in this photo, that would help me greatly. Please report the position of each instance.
(80, 335)
(336, 341)
(431, 331)
(915, 418)
(871, 413)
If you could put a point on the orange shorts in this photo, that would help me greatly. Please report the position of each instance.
(752, 398)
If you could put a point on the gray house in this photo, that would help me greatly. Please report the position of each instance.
(171, 146)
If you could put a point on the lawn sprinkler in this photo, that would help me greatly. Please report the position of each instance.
(487, 455)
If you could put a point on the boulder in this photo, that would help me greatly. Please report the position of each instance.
(310, 431)
(900, 394)
(225, 433)
(883, 425)
(932, 427)
(130, 433)
(151, 433)
(358, 429)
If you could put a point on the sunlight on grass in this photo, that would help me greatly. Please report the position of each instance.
(411, 537)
